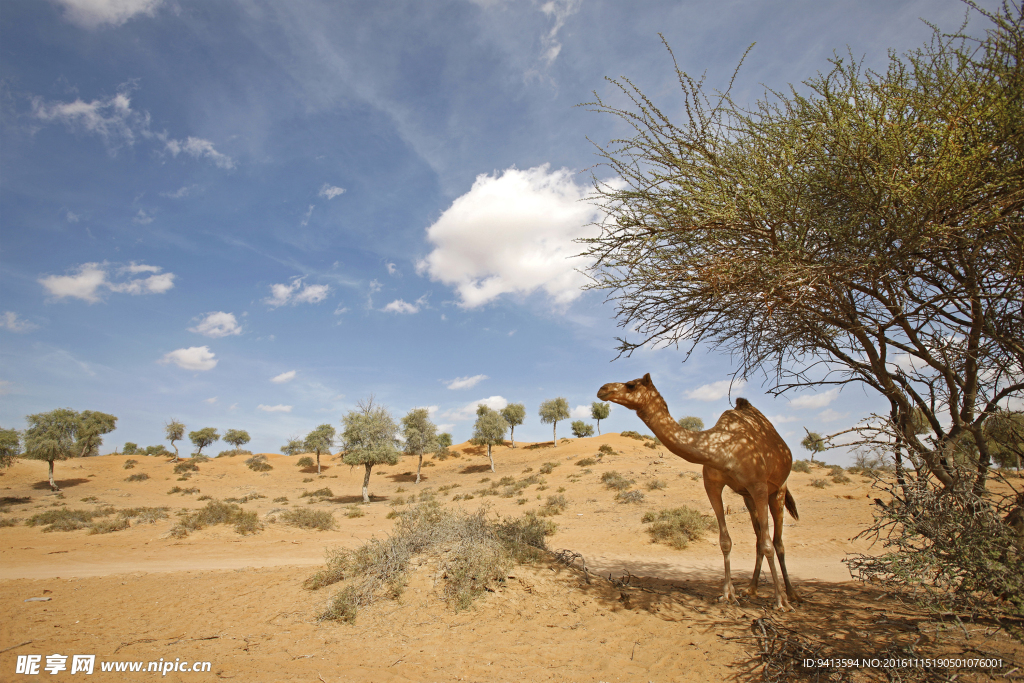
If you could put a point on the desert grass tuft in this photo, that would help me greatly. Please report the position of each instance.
(586, 462)
(554, 505)
(258, 463)
(63, 519)
(319, 493)
(801, 466)
(630, 497)
(676, 527)
(9, 521)
(130, 463)
(186, 466)
(217, 512)
(549, 467)
(305, 461)
(304, 518)
(616, 481)
(819, 483)
(140, 476)
(656, 485)
(605, 449)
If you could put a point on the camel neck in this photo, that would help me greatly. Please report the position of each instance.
(690, 446)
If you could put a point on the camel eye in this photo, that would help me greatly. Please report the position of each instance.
(630, 385)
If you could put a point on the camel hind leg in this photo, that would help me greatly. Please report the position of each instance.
(776, 503)
(755, 579)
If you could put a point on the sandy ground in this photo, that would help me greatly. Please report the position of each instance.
(238, 601)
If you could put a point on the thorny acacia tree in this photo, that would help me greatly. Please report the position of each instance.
(319, 441)
(174, 431)
(64, 433)
(420, 435)
(370, 438)
(866, 228)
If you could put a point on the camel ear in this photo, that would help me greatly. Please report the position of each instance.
(647, 379)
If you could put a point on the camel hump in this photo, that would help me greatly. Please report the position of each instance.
(742, 403)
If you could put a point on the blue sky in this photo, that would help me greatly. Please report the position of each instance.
(249, 214)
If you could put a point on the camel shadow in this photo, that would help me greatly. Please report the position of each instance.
(475, 469)
(61, 483)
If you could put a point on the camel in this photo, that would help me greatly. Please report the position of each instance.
(742, 451)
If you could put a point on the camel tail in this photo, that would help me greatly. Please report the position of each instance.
(791, 505)
(742, 403)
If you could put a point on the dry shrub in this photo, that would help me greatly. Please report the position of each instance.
(841, 478)
(63, 519)
(319, 493)
(217, 512)
(304, 518)
(819, 483)
(549, 467)
(354, 512)
(585, 462)
(144, 515)
(632, 435)
(258, 463)
(186, 466)
(554, 505)
(630, 497)
(605, 449)
(184, 492)
(281, 499)
(141, 476)
(949, 549)
(652, 444)
(676, 527)
(130, 463)
(9, 521)
(616, 481)
(197, 459)
(471, 553)
(305, 461)
(107, 526)
(656, 485)
(802, 466)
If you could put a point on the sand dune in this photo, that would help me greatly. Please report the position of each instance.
(237, 601)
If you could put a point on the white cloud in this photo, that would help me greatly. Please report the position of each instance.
(274, 409)
(142, 218)
(340, 309)
(73, 217)
(468, 411)
(400, 306)
(781, 419)
(217, 324)
(331, 191)
(210, 400)
(91, 14)
(180, 193)
(192, 358)
(830, 415)
(715, 390)
(466, 382)
(10, 321)
(815, 400)
(512, 233)
(198, 148)
(295, 293)
(87, 280)
(111, 118)
(392, 268)
(580, 413)
(283, 377)
(559, 10)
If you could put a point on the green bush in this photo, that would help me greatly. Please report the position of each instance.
(217, 512)
(676, 527)
(304, 518)
(186, 466)
(130, 463)
(605, 449)
(258, 463)
(801, 466)
(305, 461)
(130, 448)
(819, 483)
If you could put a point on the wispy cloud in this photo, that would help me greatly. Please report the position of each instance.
(198, 148)
(330, 191)
(580, 413)
(10, 321)
(400, 306)
(715, 390)
(192, 358)
(465, 382)
(211, 400)
(815, 401)
(217, 324)
(91, 14)
(296, 293)
(283, 377)
(468, 411)
(88, 280)
(274, 409)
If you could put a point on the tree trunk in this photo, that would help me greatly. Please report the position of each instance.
(175, 452)
(366, 483)
(318, 463)
(599, 428)
(512, 437)
(554, 433)
(418, 468)
(53, 486)
(489, 457)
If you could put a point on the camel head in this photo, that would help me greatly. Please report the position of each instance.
(634, 395)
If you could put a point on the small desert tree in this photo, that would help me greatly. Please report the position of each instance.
(551, 412)
(814, 443)
(581, 429)
(202, 438)
(1004, 432)
(236, 437)
(319, 441)
(64, 433)
(10, 447)
(690, 423)
(600, 411)
(420, 435)
(370, 438)
(444, 442)
(489, 429)
(174, 431)
(294, 447)
(514, 414)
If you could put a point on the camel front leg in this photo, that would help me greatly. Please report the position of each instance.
(777, 503)
(766, 548)
(714, 491)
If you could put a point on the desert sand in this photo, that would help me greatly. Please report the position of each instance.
(649, 612)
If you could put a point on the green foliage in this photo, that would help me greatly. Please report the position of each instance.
(676, 527)
(10, 446)
(690, 423)
(600, 411)
(552, 412)
(64, 433)
(370, 436)
(130, 448)
(217, 512)
(586, 462)
(514, 414)
(236, 437)
(320, 440)
(1004, 433)
(488, 430)
(174, 431)
(616, 481)
(581, 429)
(801, 466)
(814, 443)
(605, 449)
(294, 447)
(158, 449)
(305, 461)
(419, 432)
(186, 466)
(201, 438)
